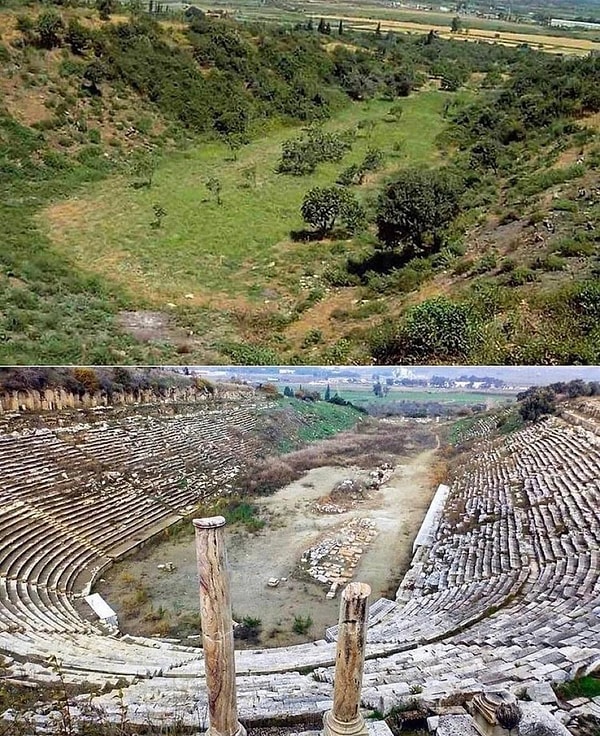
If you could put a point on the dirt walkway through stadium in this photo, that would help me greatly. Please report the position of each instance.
(395, 511)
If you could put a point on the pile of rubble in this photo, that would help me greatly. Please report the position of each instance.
(333, 560)
(348, 492)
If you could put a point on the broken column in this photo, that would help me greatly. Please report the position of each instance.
(217, 627)
(345, 718)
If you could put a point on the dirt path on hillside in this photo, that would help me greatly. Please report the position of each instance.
(397, 510)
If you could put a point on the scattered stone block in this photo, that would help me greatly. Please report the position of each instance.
(542, 692)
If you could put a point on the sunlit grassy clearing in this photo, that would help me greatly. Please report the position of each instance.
(202, 247)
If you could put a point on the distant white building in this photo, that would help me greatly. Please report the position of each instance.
(563, 23)
(402, 372)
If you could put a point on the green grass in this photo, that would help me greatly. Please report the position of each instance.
(442, 396)
(49, 311)
(581, 687)
(321, 419)
(203, 248)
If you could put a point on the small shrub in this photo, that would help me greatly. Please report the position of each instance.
(507, 265)
(551, 262)
(353, 175)
(339, 276)
(581, 687)
(436, 329)
(521, 275)
(463, 266)
(312, 337)
(488, 262)
(50, 28)
(572, 247)
(373, 160)
(302, 624)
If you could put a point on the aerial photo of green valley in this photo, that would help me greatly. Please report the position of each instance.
(299, 182)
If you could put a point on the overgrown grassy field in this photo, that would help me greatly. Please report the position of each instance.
(208, 259)
(214, 251)
(212, 270)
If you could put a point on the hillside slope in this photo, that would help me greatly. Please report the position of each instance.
(147, 219)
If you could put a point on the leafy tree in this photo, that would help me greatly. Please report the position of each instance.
(452, 79)
(214, 187)
(76, 36)
(399, 83)
(122, 376)
(322, 206)
(297, 158)
(415, 210)
(485, 154)
(455, 25)
(49, 27)
(143, 168)
(106, 8)
(88, 378)
(235, 141)
(300, 156)
(321, 26)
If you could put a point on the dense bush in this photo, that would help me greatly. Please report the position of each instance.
(300, 156)
(435, 330)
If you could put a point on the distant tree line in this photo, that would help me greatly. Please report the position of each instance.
(82, 380)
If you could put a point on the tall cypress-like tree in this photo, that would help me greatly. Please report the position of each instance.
(378, 30)
(340, 28)
(321, 26)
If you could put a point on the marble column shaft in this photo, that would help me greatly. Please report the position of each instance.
(217, 626)
(345, 717)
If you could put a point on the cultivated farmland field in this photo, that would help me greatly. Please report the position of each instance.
(363, 394)
(364, 16)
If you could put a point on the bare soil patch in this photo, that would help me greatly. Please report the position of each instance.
(150, 326)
